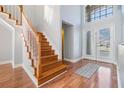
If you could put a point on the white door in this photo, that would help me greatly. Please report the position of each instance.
(98, 43)
(104, 44)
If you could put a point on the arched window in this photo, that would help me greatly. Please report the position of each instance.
(97, 12)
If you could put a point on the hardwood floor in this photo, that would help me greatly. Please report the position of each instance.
(105, 77)
(16, 78)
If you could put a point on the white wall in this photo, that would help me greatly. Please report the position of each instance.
(123, 21)
(121, 64)
(11, 44)
(46, 19)
(52, 27)
(17, 48)
(72, 15)
(115, 20)
(5, 42)
(121, 53)
(35, 13)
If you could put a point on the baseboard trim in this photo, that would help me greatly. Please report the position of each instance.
(17, 65)
(107, 62)
(6, 62)
(72, 60)
(118, 77)
(30, 76)
(52, 79)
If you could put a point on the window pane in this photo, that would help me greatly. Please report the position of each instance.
(97, 18)
(97, 10)
(92, 19)
(89, 43)
(92, 12)
(103, 13)
(109, 7)
(109, 10)
(92, 16)
(104, 46)
(103, 16)
(97, 14)
(109, 14)
(103, 8)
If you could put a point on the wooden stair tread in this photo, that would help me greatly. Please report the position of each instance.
(48, 56)
(47, 50)
(45, 64)
(39, 33)
(44, 44)
(44, 41)
(50, 72)
(47, 46)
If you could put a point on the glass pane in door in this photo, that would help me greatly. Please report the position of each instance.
(88, 43)
(103, 46)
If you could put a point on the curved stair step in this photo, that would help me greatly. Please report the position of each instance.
(51, 74)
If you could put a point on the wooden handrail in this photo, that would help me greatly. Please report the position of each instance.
(21, 10)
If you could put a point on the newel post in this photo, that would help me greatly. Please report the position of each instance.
(39, 57)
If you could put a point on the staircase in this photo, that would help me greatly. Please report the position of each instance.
(45, 62)
(50, 65)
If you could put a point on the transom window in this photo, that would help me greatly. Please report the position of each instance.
(97, 12)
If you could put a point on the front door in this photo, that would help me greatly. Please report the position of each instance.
(104, 44)
(98, 44)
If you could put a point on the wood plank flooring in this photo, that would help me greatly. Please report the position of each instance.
(14, 78)
(105, 77)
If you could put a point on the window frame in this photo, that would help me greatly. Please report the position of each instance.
(98, 12)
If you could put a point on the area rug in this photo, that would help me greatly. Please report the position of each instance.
(88, 70)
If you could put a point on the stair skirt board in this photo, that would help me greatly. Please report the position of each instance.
(52, 78)
(31, 76)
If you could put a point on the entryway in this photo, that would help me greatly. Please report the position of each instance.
(99, 43)
(67, 40)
